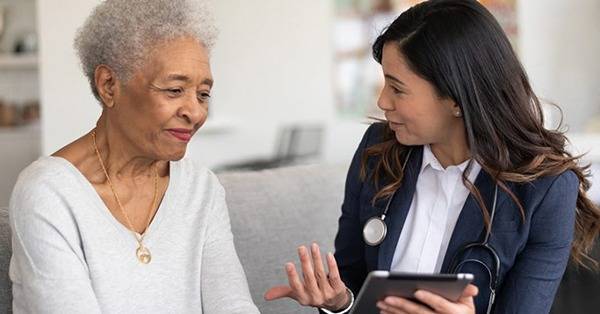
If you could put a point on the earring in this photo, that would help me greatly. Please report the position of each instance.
(457, 114)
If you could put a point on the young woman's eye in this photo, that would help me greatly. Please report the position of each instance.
(396, 91)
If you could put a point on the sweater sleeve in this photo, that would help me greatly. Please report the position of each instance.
(48, 267)
(224, 286)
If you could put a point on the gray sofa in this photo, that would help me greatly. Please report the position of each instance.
(272, 213)
(275, 211)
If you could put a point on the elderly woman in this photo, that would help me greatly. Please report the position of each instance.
(116, 221)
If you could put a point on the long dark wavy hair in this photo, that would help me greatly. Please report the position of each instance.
(459, 47)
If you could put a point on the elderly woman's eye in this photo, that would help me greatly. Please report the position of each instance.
(204, 97)
(175, 91)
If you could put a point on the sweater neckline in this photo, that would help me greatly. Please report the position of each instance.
(153, 227)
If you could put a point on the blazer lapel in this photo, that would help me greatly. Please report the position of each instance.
(399, 208)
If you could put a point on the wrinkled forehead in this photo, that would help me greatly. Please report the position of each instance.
(182, 59)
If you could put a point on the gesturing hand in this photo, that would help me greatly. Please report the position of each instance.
(317, 289)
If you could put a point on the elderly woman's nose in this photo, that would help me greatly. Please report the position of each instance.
(193, 110)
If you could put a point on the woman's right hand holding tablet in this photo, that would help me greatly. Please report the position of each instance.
(317, 288)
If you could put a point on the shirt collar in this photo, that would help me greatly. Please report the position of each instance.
(429, 159)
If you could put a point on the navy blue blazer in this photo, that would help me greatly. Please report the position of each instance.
(533, 253)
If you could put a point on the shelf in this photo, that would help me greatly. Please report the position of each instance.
(18, 62)
(27, 130)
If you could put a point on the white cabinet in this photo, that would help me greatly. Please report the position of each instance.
(18, 148)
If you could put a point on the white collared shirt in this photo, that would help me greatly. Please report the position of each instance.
(438, 200)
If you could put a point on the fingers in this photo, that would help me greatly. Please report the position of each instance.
(470, 291)
(296, 285)
(396, 305)
(468, 294)
(278, 292)
(315, 287)
(441, 305)
(334, 275)
(394, 311)
(436, 302)
(295, 288)
(320, 275)
(307, 270)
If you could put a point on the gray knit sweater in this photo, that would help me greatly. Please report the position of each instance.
(70, 255)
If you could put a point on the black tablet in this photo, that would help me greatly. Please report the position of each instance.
(380, 284)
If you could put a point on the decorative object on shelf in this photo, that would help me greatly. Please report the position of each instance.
(12, 115)
(27, 43)
(31, 112)
(8, 115)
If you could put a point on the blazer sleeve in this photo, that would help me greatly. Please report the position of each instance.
(531, 284)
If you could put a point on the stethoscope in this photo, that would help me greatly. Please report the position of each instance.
(375, 230)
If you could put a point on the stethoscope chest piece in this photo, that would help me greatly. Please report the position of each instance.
(374, 231)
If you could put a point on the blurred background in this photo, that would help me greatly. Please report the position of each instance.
(295, 80)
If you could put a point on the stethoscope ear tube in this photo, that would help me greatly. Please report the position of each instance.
(375, 228)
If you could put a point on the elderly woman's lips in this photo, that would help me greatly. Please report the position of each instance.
(181, 134)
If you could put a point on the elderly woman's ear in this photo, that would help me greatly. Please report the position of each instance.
(106, 84)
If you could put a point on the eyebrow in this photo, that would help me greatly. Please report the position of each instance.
(185, 78)
(392, 78)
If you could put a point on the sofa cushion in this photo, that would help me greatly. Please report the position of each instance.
(275, 211)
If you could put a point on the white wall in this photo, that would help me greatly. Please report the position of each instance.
(560, 47)
(68, 108)
(272, 65)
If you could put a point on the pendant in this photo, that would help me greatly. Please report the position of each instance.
(143, 254)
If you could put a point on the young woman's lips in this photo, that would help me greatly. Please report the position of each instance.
(183, 135)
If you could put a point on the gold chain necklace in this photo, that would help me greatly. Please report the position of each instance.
(142, 252)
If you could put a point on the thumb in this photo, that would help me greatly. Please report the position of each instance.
(278, 292)
(470, 291)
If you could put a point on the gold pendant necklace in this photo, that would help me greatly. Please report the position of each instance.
(142, 252)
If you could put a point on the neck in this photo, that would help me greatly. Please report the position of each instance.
(453, 151)
(121, 158)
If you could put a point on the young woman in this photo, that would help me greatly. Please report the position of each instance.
(461, 177)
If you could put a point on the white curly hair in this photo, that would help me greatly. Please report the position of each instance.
(119, 33)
